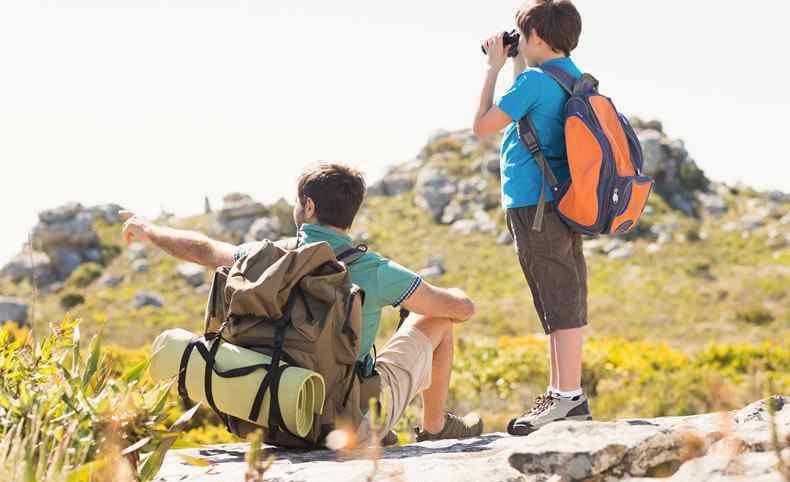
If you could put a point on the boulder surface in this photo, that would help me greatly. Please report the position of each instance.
(734, 446)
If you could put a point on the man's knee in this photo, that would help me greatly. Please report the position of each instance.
(434, 328)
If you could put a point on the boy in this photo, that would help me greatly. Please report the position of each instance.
(551, 259)
(418, 359)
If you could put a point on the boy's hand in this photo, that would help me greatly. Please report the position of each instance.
(495, 48)
(135, 228)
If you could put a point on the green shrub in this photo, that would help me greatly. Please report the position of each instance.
(756, 316)
(65, 417)
(85, 274)
(70, 300)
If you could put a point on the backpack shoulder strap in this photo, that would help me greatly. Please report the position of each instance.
(348, 254)
(566, 80)
(529, 136)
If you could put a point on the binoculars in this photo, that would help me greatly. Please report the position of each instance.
(510, 41)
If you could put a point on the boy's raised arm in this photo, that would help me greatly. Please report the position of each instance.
(186, 245)
(490, 119)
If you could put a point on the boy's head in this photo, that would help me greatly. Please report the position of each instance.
(548, 28)
(330, 195)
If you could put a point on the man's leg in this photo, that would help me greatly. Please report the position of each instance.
(440, 332)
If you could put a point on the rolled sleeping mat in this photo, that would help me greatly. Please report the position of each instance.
(301, 392)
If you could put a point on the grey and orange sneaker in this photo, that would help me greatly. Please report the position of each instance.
(550, 408)
(454, 427)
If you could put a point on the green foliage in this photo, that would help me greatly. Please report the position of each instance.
(85, 274)
(65, 417)
(757, 315)
(70, 300)
(692, 178)
(623, 379)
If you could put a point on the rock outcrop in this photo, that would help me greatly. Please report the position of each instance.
(13, 309)
(722, 447)
(63, 239)
(244, 219)
(451, 173)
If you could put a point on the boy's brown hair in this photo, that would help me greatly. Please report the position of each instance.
(337, 191)
(558, 23)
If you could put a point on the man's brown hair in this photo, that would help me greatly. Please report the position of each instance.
(337, 191)
(558, 23)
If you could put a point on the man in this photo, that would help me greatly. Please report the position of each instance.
(418, 358)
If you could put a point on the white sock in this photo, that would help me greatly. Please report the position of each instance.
(569, 394)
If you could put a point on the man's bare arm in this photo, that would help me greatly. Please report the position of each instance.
(450, 303)
(186, 245)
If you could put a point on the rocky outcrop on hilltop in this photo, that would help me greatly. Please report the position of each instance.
(735, 446)
(450, 159)
(62, 240)
(243, 219)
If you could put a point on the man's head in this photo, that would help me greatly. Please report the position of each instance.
(548, 28)
(330, 195)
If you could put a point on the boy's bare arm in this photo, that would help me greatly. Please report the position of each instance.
(186, 245)
(490, 119)
(450, 303)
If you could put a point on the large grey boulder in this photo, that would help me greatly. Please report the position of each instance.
(193, 274)
(29, 266)
(239, 211)
(65, 227)
(689, 447)
(268, 227)
(147, 298)
(13, 309)
(435, 190)
(392, 184)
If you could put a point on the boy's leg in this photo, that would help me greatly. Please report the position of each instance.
(553, 264)
(566, 361)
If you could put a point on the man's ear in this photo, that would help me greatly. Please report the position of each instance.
(309, 208)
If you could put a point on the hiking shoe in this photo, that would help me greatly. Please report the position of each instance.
(390, 439)
(550, 408)
(454, 427)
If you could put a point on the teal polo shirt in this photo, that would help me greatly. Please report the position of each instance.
(385, 282)
(540, 96)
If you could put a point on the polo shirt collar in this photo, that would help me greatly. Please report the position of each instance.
(315, 231)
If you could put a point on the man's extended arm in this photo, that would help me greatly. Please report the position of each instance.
(450, 303)
(187, 245)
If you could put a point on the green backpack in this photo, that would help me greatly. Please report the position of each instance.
(296, 304)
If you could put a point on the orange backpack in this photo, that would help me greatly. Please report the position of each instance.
(607, 192)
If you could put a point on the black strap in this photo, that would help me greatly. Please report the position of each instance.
(182, 370)
(404, 313)
(349, 255)
(529, 135)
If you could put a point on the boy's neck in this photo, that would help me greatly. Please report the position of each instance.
(551, 56)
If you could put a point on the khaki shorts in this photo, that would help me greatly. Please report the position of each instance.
(404, 366)
(553, 263)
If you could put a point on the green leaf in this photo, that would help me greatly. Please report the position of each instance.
(154, 460)
(180, 424)
(160, 403)
(136, 446)
(93, 360)
(134, 373)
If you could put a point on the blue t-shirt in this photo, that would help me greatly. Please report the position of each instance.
(385, 282)
(540, 96)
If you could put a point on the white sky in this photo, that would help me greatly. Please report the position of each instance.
(156, 103)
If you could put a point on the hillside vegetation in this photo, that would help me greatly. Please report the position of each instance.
(690, 313)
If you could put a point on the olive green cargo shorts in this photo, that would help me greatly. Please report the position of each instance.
(553, 263)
